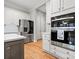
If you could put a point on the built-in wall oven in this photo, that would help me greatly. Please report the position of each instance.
(69, 37)
(63, 31)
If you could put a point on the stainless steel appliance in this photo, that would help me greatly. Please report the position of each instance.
(69, 37)
(26, 29)
(63, 30)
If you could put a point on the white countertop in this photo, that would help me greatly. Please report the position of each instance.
(12, 37)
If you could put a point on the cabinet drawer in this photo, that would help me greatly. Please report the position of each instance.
(61, 55)
(65, 51)
(71, 57)
(70, 53)
(57, 53)
(13, 42)
(62, 50)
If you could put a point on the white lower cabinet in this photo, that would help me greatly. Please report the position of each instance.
(62, 53)
(72, 57)
(46, 45)
(46, 41)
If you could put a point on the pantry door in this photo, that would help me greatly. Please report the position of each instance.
(40, 24)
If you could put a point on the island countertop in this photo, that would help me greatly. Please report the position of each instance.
(12, 37)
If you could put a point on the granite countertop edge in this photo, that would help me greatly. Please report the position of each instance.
(13, 38)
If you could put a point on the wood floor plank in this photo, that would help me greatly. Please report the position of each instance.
(34, 50)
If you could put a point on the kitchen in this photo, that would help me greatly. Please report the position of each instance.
(44, 29)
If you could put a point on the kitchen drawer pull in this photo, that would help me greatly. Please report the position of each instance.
(59, 9)
(49, 40)
(54, 48)
(62, 7)
(8, 47)
(67, 52)
(67, 57)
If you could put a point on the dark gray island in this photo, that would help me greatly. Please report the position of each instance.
(14, 47)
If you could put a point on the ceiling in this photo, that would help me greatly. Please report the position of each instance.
(26, 5)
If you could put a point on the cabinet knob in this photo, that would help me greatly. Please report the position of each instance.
(67, 52)
(48, 23)
(62, 7)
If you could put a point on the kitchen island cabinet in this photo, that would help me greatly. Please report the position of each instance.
(14, 49)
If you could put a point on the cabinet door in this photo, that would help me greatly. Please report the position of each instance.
(7, 54)
(67, 4)
(60, 55)
(48, 16)
(71, 57)
(55, 6)
(46, 45)
(16, 51)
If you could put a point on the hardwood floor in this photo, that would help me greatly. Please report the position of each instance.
(34, 51)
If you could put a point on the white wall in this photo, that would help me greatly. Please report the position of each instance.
(11, 18)
(13, 15)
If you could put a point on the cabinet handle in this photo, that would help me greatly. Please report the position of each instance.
(49, 40)
(54, 48)
(67, 57)
(59, 8)
(8, 47)
(63, 4)
(55, 52)
(67, 52)
(48, 23)
(62, 7)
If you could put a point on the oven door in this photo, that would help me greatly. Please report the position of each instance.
(61, 39)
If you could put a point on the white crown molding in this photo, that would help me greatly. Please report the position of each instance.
(37, 6)
(15, 6)
(11, 4)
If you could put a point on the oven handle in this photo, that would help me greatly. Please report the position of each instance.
(63, 18)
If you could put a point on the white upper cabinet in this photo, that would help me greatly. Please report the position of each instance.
(48, 18)
(61, 5)
(55, 6)
(67, 4)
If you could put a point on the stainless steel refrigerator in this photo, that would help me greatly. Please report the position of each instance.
(26, 28)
